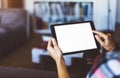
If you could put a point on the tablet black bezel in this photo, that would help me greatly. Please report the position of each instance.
(92, 26)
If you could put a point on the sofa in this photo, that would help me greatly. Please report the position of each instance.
(14, 28)
(12, 72)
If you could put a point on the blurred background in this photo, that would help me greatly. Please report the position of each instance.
(28, 27)
(105, 14)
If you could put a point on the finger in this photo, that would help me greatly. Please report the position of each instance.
(99, 40)
(100, 34)
(50, 45)
(54, 43)
(109, 34)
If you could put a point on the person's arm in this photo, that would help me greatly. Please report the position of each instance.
(55, 52)
(105, 40)
(62, 71)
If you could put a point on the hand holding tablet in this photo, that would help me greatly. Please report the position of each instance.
(74, 37)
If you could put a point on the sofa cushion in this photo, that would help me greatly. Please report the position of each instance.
(13, 16)
(2, 31)
(10, 27)
(14, 28)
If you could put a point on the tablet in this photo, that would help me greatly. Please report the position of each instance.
(74, 37)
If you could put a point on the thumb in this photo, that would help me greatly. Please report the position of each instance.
(99, 39)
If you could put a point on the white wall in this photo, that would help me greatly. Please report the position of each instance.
(112, 17)
(28, 4)
(118, 12)
(103, 19)
(100, 14)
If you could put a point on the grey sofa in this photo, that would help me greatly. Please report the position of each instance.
(14, 28)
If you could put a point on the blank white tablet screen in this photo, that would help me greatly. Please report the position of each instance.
(75, 37)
